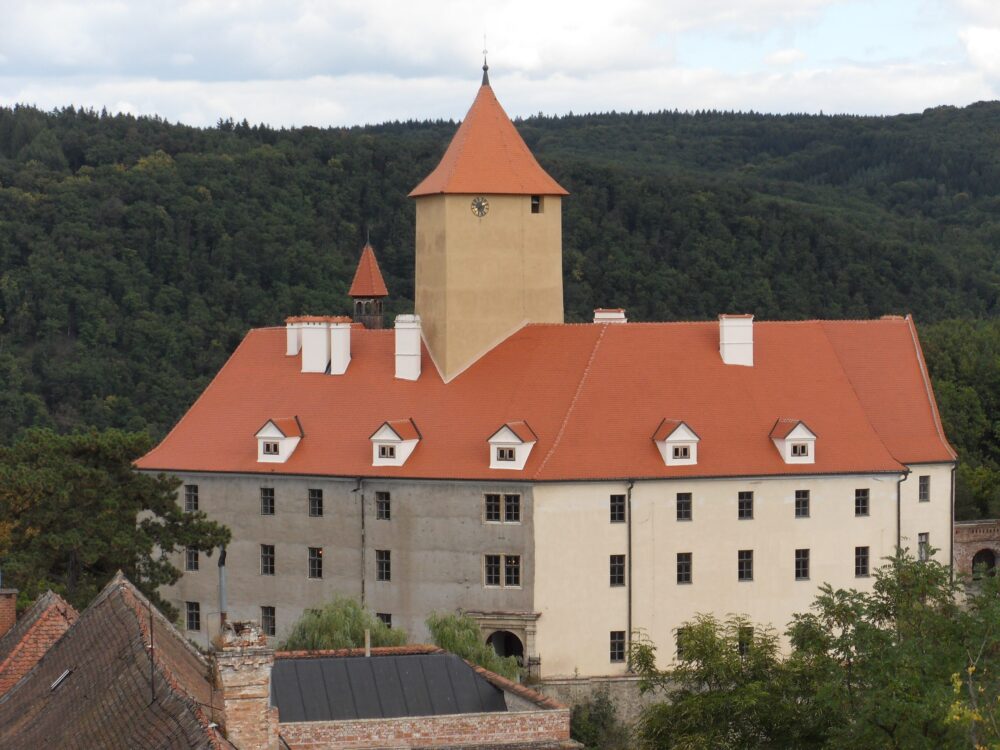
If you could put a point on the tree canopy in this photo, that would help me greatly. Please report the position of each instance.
(340, 623)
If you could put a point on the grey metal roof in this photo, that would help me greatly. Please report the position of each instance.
(384, 686)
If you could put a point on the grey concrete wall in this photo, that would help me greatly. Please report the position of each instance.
(437, 537)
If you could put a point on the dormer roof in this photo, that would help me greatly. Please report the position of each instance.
(669, 428)
(404, 429)
(368, 281)
(520, 430)
(488, 155)
(784, 427)
(287, 426)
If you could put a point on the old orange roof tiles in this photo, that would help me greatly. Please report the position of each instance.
(592, 394)
(368, 280)
(488, 155)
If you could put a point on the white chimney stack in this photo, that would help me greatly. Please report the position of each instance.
(609, 315)
(340, 345)
(293, 336)
(315, 333)
(736, 339)
(407, 347)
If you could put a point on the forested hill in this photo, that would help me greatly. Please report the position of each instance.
(136, 253)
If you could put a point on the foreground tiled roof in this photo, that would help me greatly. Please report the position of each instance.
(368, 280)
(106, 699)
(488, 155)
(593, 394)
(38, 628)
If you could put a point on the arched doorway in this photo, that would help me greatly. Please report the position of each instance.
(506, 643)
(984, 561)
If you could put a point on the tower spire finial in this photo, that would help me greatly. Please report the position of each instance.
(486, 68)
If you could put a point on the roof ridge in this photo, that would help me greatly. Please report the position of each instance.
(572, 403)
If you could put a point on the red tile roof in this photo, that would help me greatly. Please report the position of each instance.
(668, 427)
(593, 394)
(521, 430)
(38, 628)
(488, 155)
(404, 428)
(784, 426)
(287, 426)
(368, 280)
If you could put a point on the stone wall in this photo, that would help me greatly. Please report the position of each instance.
(972, 537)
(479, 729)
(623, 691)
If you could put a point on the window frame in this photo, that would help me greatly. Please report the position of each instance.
(923, 546)
(744, 565)
(492, 507)
(537, 204)
(270, 447)
(681, 452)
(492, 562)
(268, 560)
(506, 454)
(862, 553)
(387, 451)
(684, 500)
(267, 501)
(616, 570)
(385, 618)
(800, 450)
(862, 502)
(315, 501)
(616, 508)
(314, 566)
(383, 565)
(192, 560)
(802, 564)
(685, 568)
(617, 646)
(924, 488)
(383, 505)
(268, 620)
(512, 571)
(191, 498)
(192, 613)
(512, 502)
(803, 499)
(742, 497)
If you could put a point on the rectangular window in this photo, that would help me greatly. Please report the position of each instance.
(492, 513)
(682, 451)
(617, 509)
(801, 565)
(536, 204)
(268, 622)
(315, 562)
(744, 565)
(191, 558)
(267, 559)
(681, 636)
(684, 510)
(861, 505)
(744, 640)
(270, 448)
(617, 646)
(387, 451)
(802, 503)
(923, 546)
(190, 498)
(512, 508)
(860, 561)
(383, 506)
(800, 449)
(617, 570)
(684, 567)
(386, 618)
(192, 611)
(512, 570)
(491, 570)
(383, 565)
(315, 503)
(924, 488)
(744, 506)
(267, 501)
(505, 454)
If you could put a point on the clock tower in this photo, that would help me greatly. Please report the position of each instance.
(489, 240)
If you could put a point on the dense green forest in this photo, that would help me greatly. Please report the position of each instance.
(135, 253)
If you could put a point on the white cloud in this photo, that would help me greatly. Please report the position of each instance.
(787, 56)
(983, 47)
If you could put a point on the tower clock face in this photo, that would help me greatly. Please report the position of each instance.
(480, 206)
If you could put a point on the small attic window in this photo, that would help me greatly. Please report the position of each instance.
(505, 454)
(800, 449)
(387, 451)
(536, 204)
(270, 448)
(682, 451)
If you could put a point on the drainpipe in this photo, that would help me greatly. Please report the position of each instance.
(223, 605)
(361, 496)
(628, 576)
(951, 536)
(899, 507)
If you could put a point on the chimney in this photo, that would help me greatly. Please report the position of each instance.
(736, 339)
(8, 610)
(293, 336)
(610, 315)
(315, 343)
(340, 345)
(407, 347)
(243, 670)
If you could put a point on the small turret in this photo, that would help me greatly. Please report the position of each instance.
(368, 290)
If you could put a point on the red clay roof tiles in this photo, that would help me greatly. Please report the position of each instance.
(39, 627)
(592, 394)
(368, 281)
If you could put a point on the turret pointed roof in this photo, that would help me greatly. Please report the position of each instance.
(368, 280)
(488, 155)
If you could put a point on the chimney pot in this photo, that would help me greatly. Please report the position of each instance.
(340, 345)
(293, 337)
(243, 667)
(736, 339)
(407, 347)
(315, 344)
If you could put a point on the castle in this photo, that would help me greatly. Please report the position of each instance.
(565, 484)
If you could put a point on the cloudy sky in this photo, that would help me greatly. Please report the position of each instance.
(344, 62)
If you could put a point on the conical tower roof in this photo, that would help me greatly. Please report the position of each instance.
(488, 155)
(368, 280)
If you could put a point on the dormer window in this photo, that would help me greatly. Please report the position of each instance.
(795, 442)
(393, 442)
(511, 445)
(278, 439)
(677, 443)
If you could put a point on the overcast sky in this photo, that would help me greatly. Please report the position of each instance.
(344, 62)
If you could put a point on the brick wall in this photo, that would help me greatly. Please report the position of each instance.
(8, 610)
(430, 731)
(970, 538)
(47, 628)
(251, 723)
